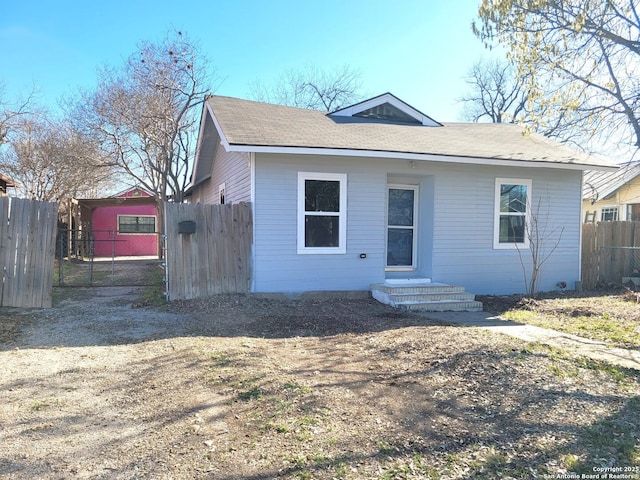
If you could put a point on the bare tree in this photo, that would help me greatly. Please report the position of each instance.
(52, 161)
(577, 57)
(543, 239)
(496, 93)
(145, 114)
(312, 88)
(11, 112)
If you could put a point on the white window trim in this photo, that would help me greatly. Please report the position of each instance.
(608, 210)
(155, 222)
(496, 214)
(342, 215)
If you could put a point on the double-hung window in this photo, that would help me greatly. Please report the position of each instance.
(322, 213)
(512, 205)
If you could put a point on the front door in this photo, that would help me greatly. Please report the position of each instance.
(402, 234)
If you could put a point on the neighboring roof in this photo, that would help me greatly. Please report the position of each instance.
(135, 191)
(249, 126)
(115, 201)
(599, 185)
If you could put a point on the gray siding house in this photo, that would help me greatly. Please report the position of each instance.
(380, 193)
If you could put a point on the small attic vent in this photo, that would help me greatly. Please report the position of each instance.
(389, 113)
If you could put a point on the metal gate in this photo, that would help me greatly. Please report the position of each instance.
(86, 258)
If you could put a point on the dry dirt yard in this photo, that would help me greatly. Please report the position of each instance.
(237, 387)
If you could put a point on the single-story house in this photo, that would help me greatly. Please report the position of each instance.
(380, 193)
(612, 196)
(124, 224)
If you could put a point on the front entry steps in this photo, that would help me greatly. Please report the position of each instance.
(424, 295)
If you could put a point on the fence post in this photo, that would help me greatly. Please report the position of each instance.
(61, 263)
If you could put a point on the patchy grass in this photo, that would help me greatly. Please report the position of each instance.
(154, 293)
(612, 436)
(611, 318)
(514, 412)
(567, 366)
(81, 273)
(263, 389)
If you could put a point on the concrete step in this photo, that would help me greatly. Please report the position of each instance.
(443, 306)
(428, 296)
(403, 298)
(417, 289)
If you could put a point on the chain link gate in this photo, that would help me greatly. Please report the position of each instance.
(78, 265)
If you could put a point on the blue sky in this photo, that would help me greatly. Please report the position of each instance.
(419, 50)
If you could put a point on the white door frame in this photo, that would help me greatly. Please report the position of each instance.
(414, 227)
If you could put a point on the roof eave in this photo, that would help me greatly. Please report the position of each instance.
(611, 189)
(238, 147)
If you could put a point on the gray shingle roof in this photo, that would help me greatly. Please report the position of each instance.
(249, 124)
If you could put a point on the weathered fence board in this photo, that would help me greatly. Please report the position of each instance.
(216, 258)
(610, 251)
(590, 258)
(27, 245)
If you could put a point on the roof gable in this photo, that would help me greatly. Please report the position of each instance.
(386, 108)
(135, 191)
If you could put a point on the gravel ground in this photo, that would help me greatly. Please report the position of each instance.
(244, 387)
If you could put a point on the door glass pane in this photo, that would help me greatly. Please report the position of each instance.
(400, 247)
(401, 207)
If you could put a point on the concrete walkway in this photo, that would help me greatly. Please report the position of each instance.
(578, 346)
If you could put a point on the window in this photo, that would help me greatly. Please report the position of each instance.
(221, 193)
(511, 213)
(322, 213)
(136, 224)
(609, 214)
(633, 212)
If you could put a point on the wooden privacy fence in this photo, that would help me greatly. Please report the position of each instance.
(208, 249)
(27, 246)
(610, 251)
